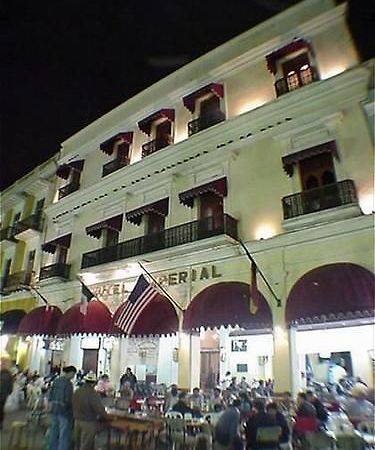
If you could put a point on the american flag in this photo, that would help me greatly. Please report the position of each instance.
(142, 294)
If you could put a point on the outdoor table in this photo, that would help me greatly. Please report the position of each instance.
(140, 431)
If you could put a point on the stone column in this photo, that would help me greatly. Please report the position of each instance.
(282, 361)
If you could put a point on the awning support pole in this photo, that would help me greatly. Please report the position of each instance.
(278, 301)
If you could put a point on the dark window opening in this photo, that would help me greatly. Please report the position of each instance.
(211, 211)
(110, 237)
(155, 223)
(61, 255)
(163, 133)
(317, 171)
(6, 273)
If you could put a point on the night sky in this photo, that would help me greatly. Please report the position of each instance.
(67, 62)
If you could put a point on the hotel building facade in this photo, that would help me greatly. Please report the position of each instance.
(262, 147)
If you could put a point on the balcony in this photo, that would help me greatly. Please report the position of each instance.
(204, 122)
(171, 237)
(29, 227)
(16, 282)
(68, 189)
(296, 81)
(114, 165)
(155, 145)
(7, 237)
(342, 193)
(59, 270)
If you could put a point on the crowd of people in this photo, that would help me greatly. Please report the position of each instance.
(241, 414)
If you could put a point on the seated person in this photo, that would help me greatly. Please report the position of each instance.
(196, 400)
(358, 408)
(305, 420)
(104, 387)
(182, 406)
(260, 419)
(321, 412)
(216, 401)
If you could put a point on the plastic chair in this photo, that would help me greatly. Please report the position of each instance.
(175, 429)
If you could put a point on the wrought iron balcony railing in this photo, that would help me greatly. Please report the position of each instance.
(34, 222)
(319, 199)
(16, 282)
(171, 237)
(68, 189)
(114, 165)
(156, 144)
(8, 234)
(60, 270)
(204, 122)
(296, 81)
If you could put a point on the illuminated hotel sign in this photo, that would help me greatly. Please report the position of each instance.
(166, 279)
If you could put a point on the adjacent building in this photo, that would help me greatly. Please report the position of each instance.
(260, 150)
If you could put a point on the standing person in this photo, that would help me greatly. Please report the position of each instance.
(87, 409)
(273, 409)
(227, 434)
(6, 385)
(128, 377)
(60, 400)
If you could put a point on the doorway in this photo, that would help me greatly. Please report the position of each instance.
(90, 360)
(210, 359)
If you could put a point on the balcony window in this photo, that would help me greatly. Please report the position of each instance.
(159, 208)
(108, 229)
(293, 66)
(59, 247)
(72, 173)
(159, 127)
(218, 188)
(166, 238)
(119, 146)
(205, 103)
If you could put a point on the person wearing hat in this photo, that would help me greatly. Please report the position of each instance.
(358, 408)
(87, 410)
(60, 401)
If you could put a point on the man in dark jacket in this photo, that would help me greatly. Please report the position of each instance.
(128, 377)
(87, 410)
(60, 401)
(227, 428)
(181, 406)
(261, 420)
(6, 386)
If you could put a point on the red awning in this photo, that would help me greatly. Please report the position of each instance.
(218, 187)
(190, 100)
(62, 241)
(330, 293)
(290, 160)
(42, 320)
(159, 317)
(97, 320)
(160, 207)
(113, 223)
(107, 146)
(292, 47)
(64, 170)
(145, 124)
(226, 304)
(11, 320)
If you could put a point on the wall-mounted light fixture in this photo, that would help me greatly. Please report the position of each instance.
(175, 354)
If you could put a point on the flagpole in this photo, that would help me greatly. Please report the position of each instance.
(278, 301)
(174, 303)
